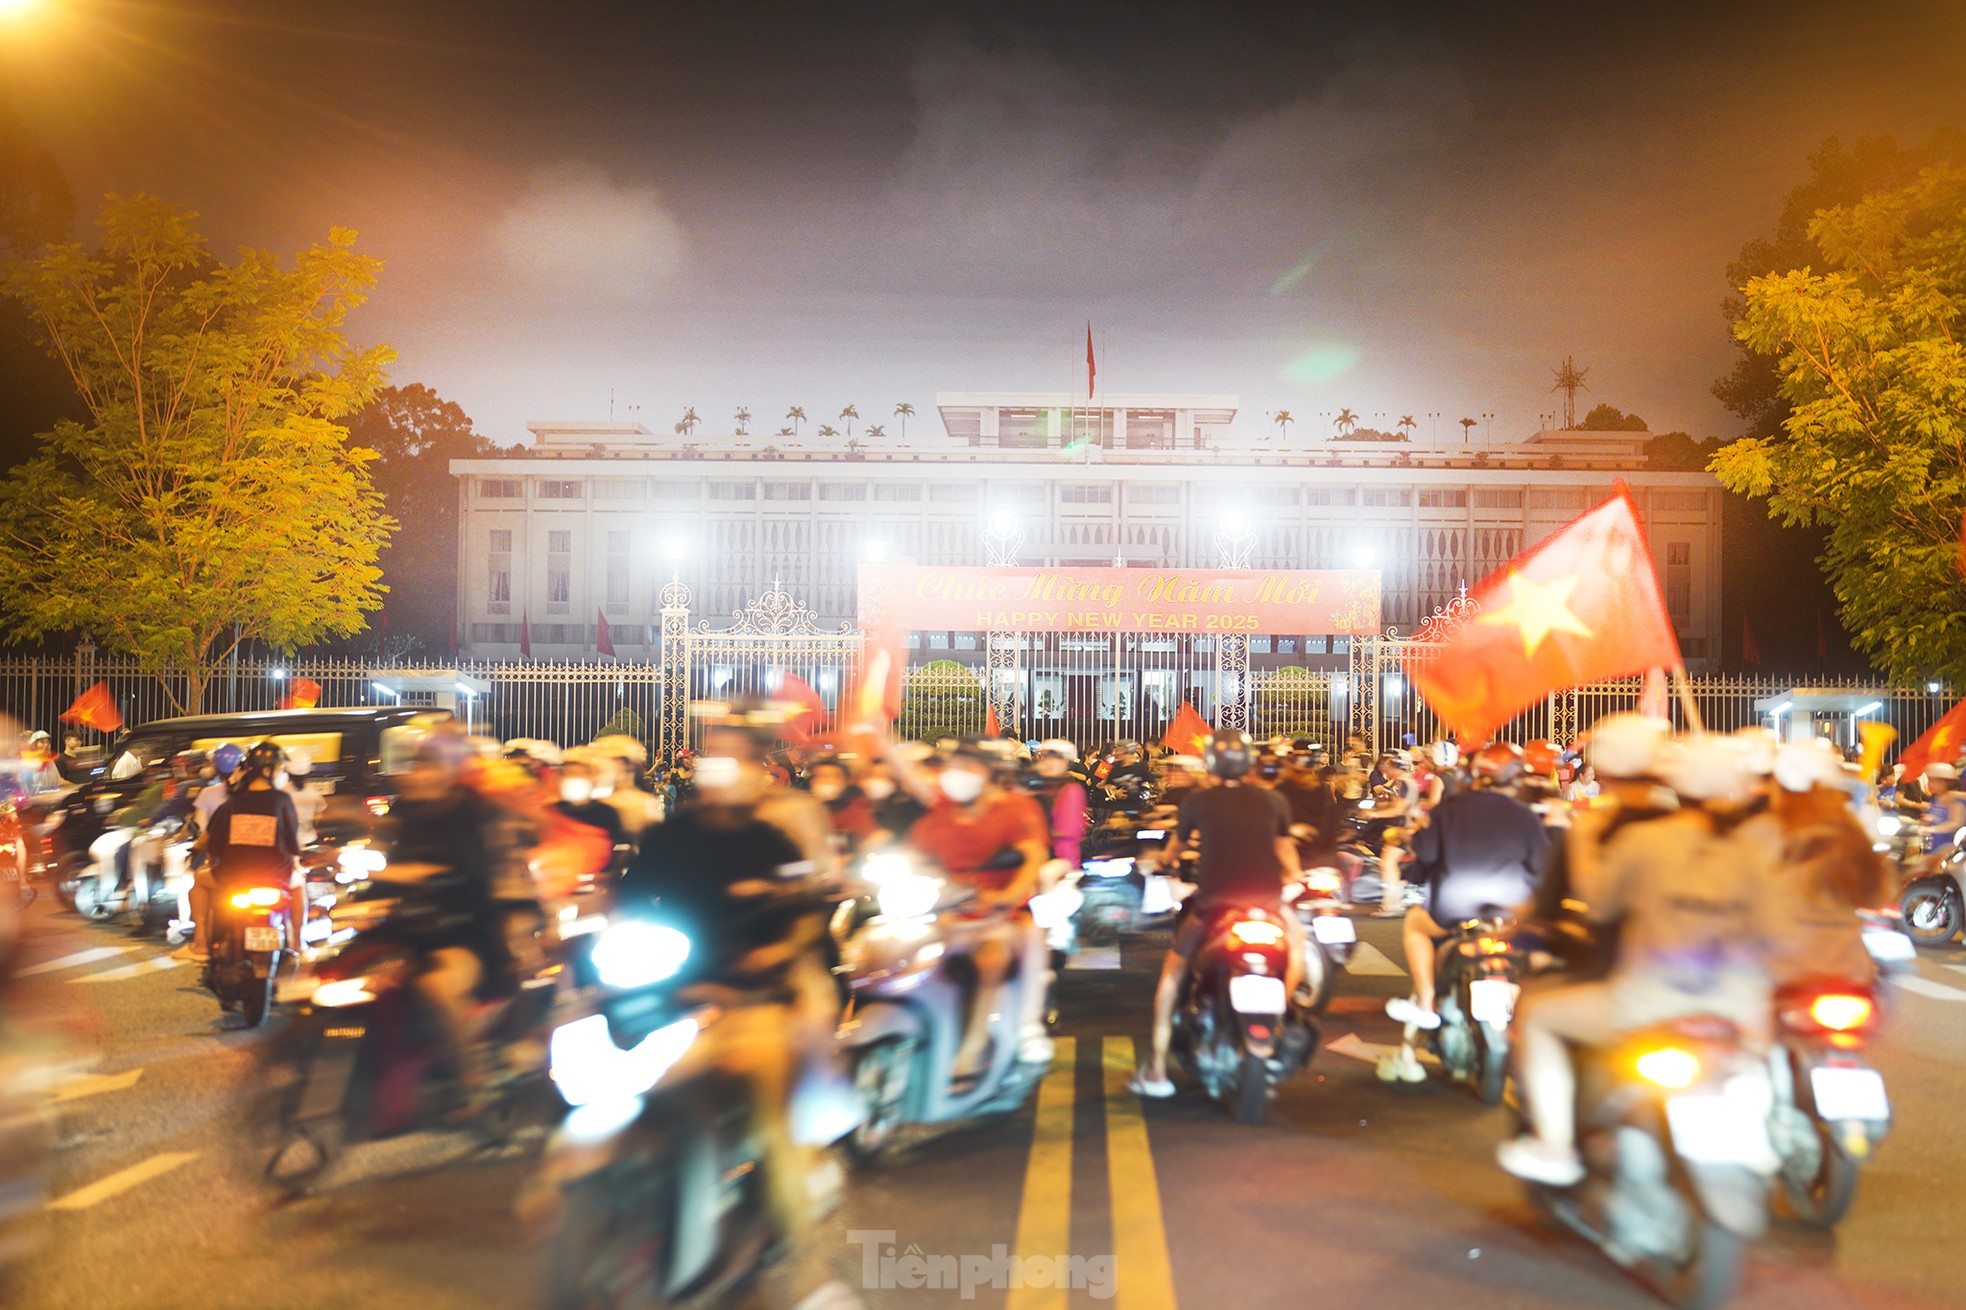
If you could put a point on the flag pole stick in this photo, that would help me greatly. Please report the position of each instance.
(1685, 690)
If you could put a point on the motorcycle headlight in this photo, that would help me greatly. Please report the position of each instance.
(909, 896)
(632, 955)
(1890, 825)
(343, 991)
(359, 863)
(589, 1068)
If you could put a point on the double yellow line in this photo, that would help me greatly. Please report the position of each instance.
(1143, 1276)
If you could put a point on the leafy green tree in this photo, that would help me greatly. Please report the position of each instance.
(1609, 418)
(212, 495)
(415, 434)
(942, 699)
(1873, 449)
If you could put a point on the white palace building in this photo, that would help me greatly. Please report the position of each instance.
(592, 517)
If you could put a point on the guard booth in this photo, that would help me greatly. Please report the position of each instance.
(1833, 713)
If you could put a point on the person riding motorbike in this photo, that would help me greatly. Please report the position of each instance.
(744, 892)
(1945, 813)
(254, 834)
(1246, 855)
(1692, 899)
(1480, 848)
(1063, 798)
(1315, 818)
(994, 841)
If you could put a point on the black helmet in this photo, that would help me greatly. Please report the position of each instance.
(263, 760)
(1229, 753)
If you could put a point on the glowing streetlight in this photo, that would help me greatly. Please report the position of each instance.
(17, 10)
(1363, 556)
(674, 548)
(1234, 540)
(874, 552)
(1003, 538)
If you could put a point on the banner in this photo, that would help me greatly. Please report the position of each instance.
(1295, 602)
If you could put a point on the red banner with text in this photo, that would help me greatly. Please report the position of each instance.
(926, 597)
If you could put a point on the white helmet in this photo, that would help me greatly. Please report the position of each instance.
(1627, 745)
(1761, 746)
(299, 763)
(1800, 765)
(1704, 767)
(1444, 754)
(1060, 747)
(1940, 770)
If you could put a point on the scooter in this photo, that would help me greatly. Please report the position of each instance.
(1237, 1029)
(1933, 901)
(911, 984)
(140, 873)
(1830, 1107)
(654, 1187)
(1672, 1126)
(1479, 973)
(251, 942)
(1314, 899)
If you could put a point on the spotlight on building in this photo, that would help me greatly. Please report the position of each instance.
(1364, 556)
(674, 548)
(874, 552)
(1003, 523)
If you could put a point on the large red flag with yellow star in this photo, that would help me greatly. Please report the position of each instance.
(1581, 606)
(1189, 732)
(1944, 741)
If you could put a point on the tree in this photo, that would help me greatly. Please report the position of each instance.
(1345, 422)
(415, 434)
(687, 425)
(1467, 428)
(1873, 449)
(849, 414)
(1609, 418)
(876, 432)
(743, 421)
(904, 411)
(942, 699)
(828, 430)
(1406, 425)
(212, 495)
(795, 416)
(1284, 418)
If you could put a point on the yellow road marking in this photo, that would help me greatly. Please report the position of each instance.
(118, 1183)
(1044, 1219)
(1145, 1278)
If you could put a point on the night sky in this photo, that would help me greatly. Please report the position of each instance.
(1396, 208)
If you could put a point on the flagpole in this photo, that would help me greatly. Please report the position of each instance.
(1686, 702)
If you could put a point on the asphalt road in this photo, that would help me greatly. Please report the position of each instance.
(1352, 1193)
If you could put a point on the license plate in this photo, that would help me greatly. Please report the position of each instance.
(1254, 993)
(1492, 1000)
(1843, 1094)
(1888, 945)
(1333, 929)
(1719, 1130)
(262, 939)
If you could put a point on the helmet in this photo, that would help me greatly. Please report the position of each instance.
(1940, 772)
(1229, 753)
(299, 763)
(1760, 745)
(1499, 762)
(227, 758)
(1059, 747)
(1800, 765)
(1269, 766)
(1627, 745)
(1704, 767)
(1444, 754)
(1304, 746)
(264, 760)
(1541, 757)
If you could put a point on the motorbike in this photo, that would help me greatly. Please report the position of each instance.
(1237, 1030)
(1830, 1108)
(1672, 1126)
(1479, 977)
(1121, 885)
(907, 968)
(251, 942)
(143, 874)
(1315, 900)
(363, 1057)
(653, 1189)
(1933, 900)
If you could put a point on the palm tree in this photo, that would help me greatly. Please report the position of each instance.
(904, 411)
(876, 431)
(743, 420)
(1406, 425)
(690, 420)
(796, 416)
(1467, 424)
(785, 432)
(682, 428)
(1284, 418)
(1346, 422)
(828, 430)
(849, 414)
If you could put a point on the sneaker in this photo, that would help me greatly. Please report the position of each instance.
(1407, 1010)
(1158, 1089)
(191, 953)
(1036, 1048)
(1401, 1067)
(1533, 1160)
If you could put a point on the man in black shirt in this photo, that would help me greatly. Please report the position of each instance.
(1246, 854)
(254, 836)
(1315, 819)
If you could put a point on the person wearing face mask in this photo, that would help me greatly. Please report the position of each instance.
(581, 837)
(852, 814)
(1063, 798)
(994, 841)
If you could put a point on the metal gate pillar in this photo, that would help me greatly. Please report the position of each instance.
(672, 704)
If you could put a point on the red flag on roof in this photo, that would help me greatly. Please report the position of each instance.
(1944, 742)
(1188, 734)
(525, 633)
(1750, 648)
(1091, 368)
(603, 639)
(95, 708)
(1583, 605)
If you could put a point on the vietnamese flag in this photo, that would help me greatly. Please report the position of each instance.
(303, 694)
(1943, 742)
(525, 633)
(1188, 734)
(1581, 606)
(95, 708)
(1092, 369)
(991, 727)
(808, 716)
(603, 639)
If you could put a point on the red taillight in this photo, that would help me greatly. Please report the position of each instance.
(1256, 932)
(378, 806)
(258, 898)
(1840, 1012)
(1322, 881)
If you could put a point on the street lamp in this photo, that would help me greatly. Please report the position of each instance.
(1363, 556)
(1235, 541)
(875, 552)
(1003, 538)
(278, 675)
